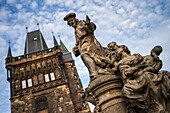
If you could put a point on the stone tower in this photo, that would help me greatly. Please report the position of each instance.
(44, 80)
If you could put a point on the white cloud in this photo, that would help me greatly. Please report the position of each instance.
(79, 3)
(19, 46)
(121, 11)
(18, 6)
(55, 2)
(69, 3)
(133, 13)
(133, 24)
(4, 14)
(158, 9)
(3, 50)
(125, 23)
(4, 28)
(142, 4)
(10, 1)
(34, 5)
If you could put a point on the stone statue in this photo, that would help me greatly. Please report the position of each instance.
(145, 87)
(86, 44)
(120, 82)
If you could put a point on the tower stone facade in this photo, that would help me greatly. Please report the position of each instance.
(44, 80)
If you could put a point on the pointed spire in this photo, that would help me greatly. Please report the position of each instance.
(55, 41)
(66, 54)
(38, 25)
(26, 27)
(59, 36)
(9, 51)
(63, 47)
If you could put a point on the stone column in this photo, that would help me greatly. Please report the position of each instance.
(105, 93)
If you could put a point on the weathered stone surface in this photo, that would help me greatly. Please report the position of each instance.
(106, 93)
(117, 77)
(43, 82)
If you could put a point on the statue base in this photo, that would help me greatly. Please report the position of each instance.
(106, 92)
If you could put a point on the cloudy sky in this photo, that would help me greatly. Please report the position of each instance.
(139, 24)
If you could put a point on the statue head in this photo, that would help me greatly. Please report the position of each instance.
(157, 50)
(112, 46)
(138, 58)
(71, 20)
(125, 49)
(148, 61)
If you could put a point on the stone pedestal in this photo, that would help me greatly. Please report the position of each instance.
(106, 92)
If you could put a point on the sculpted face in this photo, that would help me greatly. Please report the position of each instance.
(112, 46)
(138, 58)
(72, 22)
(148, 60)
(81, 29)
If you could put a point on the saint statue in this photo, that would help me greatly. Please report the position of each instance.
(120, 82)
(87, 45)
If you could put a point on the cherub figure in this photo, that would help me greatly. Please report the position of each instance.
(152, 63)
(111, 59)
(129, 66)
(144, 85)
(114, 54)
(117, 53)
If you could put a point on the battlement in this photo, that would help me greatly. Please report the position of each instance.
(32, 56)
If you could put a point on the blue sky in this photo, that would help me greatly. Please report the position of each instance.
(139, 24)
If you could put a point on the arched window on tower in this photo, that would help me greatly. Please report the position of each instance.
(78, 85)
(46, 78)
(75, 76)
(41, 104)
(52, 76)
(24, 84)
(8, 74)
(30, 82)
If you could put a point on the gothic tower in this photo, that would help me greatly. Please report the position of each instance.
(44, 80)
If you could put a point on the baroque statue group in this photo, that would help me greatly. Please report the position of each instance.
(119, 81)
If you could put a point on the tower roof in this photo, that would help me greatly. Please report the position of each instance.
(63, 47)
(66, 54)
(34, 42)
(9, 52)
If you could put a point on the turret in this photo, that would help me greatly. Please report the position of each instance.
(63, 47)
(8, 60)
(66, 54)
(55, 41)
(9, 51)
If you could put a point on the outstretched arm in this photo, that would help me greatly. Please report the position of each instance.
(75, 48)
(90, 25)
(153, 54)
